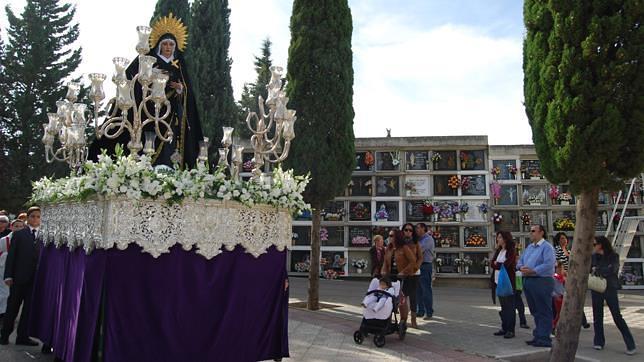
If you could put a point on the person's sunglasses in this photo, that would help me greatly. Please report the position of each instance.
(595, 244)
(391, 235)
(533, 231)
(410, 230)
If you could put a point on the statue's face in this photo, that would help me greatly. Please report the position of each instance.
(167, 48)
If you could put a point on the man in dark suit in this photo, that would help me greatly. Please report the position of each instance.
(19, 273)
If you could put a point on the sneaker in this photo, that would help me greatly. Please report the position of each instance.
(598, 347)
(630, 352)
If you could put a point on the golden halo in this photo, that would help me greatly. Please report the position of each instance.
(169, 25)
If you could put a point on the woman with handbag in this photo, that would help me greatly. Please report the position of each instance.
(605, 264)
(505, 257)
(402, 262)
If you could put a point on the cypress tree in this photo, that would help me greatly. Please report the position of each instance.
(252, 91)
(320, 87)
(180, 9)
(39, 56)
(209, 66)
(583, 86)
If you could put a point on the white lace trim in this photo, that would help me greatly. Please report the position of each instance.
(156, 226)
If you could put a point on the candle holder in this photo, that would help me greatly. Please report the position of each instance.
(275, 148)
(122, 114)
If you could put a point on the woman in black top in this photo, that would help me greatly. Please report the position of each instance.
(605, 263)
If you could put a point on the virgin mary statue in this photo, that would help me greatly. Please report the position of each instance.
(168, 42)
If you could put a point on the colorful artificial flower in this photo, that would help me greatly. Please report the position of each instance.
(466, 182)
(495, 188)
(453, 182)
(483, 208)
(553, 192)
(497, 218)
(368, 159)
(525, 218)
(495, 171)
(436, 157)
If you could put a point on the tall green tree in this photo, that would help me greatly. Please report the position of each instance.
(320, 87)
(251, 91)
(180, 9)
(209, 66)
(584, 98)
(40, 57)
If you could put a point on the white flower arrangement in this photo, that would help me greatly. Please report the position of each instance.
(439, 261)
(137, 179)
(467, 261)
(359, 263)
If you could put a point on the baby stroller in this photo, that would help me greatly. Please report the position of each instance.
(380, 323)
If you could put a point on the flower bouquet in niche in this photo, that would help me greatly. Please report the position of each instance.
(513, 170)
(368, 159)
(485, 263)
(359, 264)
(564, 198)
(483, 208)
(475, 240)
(436, 159)
(427, 208)
(526, 219)
(564, 224)
(497, 218)
(330, 274)
(324, 234)
(535, 200)
(453, 183)
(382, 214)
(553, 193)
(495, 171)
(410, 188)
(360, 240)
(466, 182)
(467, 263)
(458, 262)
(495, 189)
(463, 209)
(302, 267)
(248, 165)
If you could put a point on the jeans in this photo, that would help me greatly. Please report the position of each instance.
(425, 295)
(508, 317)
(538, 294)
(610, 296)
(520, 307)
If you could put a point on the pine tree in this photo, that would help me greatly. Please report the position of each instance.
(320, 87)
(180, 9)
(209, 66)
(583, 86)
(248, 102)
(39, 57)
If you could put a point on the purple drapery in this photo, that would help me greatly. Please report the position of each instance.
(179, 306)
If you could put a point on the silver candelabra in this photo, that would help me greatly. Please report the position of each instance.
(122, 112)
(68, 123)
(267, 148)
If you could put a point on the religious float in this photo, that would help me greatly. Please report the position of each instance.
(141, 261)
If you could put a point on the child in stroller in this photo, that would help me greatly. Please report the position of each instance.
(380, 304)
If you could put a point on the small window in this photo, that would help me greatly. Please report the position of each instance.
(360, 211)
(475, 236)
(388, 161)
(417, 160)
(387, 186)
(360, 186)
(472, 160)
(360, 236)
(473, 185)
(387, 211)
(447, 236)
(444, 160)
(446, 185)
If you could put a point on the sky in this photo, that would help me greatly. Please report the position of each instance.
(421, 67)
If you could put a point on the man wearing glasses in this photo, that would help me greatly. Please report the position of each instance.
(537, 265)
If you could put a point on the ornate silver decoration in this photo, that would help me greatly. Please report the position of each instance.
(208, 225)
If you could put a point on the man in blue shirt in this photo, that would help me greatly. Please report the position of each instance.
(424, 291)
(537, 265)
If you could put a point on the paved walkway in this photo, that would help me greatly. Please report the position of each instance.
(461, 330)
(464, 320)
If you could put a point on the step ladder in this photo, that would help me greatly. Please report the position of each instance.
(627, 226)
